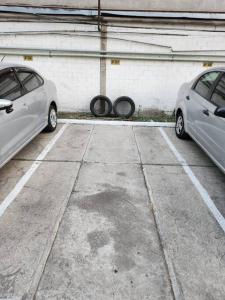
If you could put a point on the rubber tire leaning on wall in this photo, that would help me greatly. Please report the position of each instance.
(124, 99)
(101, 98)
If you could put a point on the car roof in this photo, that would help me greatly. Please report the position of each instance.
(11, 65)
(221, 69)
(208, 70)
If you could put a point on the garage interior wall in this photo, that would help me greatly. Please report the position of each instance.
(152, 83)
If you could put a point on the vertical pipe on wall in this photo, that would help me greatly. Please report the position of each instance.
(103, 49)
(103, 60)
(99, 15)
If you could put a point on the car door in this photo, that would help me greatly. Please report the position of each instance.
(199, 105)
(13, 126)
(34, 97)
(212, 125)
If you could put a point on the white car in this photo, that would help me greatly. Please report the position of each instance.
(200, 113)
(28, 104)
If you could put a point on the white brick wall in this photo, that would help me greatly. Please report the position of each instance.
(152, 84)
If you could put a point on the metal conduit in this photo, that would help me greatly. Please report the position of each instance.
(185, 57)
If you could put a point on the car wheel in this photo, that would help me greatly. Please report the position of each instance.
(52, 119)
(180, 128)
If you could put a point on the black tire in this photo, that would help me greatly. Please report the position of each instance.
(180, 127)
(119, 113)
(52, 119)
(106, 108)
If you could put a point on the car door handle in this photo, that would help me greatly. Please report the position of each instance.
(188, 97)
(206, 112)
(9, 109)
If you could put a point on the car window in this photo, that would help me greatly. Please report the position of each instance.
(29, 80)
(218, 96)
(10, 88)
(205, 83)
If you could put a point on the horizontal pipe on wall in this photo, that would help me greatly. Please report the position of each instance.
(186, 9)
(115, 55)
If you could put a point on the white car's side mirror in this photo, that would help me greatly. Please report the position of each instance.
(6, 105)
(220, 112)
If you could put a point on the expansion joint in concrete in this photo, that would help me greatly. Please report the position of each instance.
(175, 290)
(32, 293)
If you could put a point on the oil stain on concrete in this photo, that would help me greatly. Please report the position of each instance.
(113, 203)
(97, 239)
(107, 246)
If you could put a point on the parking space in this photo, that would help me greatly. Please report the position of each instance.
(111, 212)
(19, 165)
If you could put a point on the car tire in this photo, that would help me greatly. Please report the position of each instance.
(107, 106)
(116, 107)
(180, 127)
(52, 119)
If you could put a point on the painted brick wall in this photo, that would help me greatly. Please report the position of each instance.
(152, 84)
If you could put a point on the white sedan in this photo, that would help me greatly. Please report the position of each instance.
(28, 104)
(200, 113)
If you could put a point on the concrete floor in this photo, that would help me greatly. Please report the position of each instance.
(111, 214)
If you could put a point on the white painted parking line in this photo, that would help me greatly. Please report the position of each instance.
(202, 191)
(20, 185)
(116, 123)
